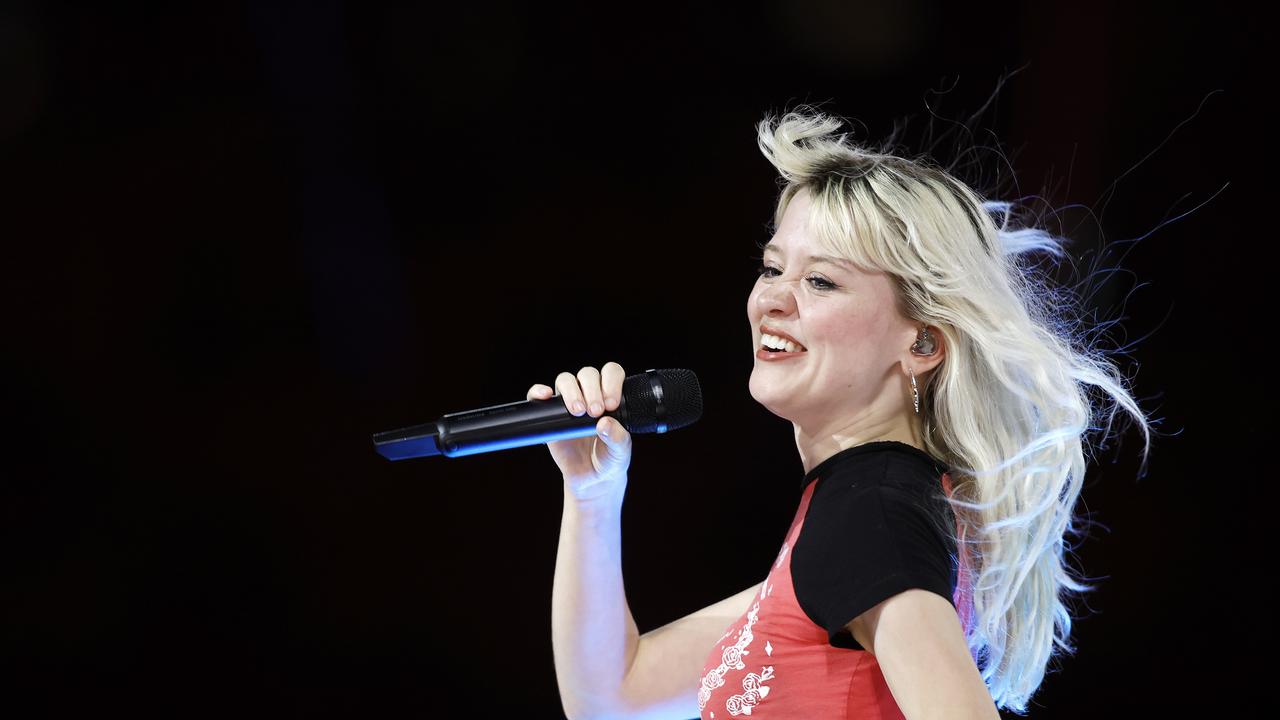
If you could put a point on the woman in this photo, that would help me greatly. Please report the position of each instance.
(939, 405)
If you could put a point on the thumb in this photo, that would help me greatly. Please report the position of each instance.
(607, 430)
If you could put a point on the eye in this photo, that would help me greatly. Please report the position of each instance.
(817, 282)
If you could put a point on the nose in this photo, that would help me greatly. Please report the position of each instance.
(779, 296)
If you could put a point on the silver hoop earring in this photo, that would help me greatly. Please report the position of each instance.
(915, 392)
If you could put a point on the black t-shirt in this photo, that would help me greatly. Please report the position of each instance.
(877, 524)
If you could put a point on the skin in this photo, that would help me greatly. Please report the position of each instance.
(852, 387)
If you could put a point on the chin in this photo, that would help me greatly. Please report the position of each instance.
(763, 397)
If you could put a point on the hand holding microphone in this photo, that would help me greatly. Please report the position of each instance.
(597, 464)
(654, 401)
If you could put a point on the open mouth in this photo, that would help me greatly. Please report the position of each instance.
(772, 343)
(767, 353)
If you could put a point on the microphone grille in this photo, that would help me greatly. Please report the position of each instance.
(662, 400)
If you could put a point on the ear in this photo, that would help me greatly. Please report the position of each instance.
(922, 364)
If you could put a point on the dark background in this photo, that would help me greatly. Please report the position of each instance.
(240, 238)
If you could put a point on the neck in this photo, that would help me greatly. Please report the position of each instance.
(820, 446)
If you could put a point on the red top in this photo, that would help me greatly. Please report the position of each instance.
(775, 661)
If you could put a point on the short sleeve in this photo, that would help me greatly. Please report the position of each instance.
(862, 544)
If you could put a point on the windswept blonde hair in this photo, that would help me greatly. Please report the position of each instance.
(1009, 407)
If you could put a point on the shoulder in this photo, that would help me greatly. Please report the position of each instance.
(871, 531)
(899, 503)
(889, 477)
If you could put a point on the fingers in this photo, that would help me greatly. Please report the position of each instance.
(611, 377)
(539, 391)
(589, 382)
(591, 391)
(567, 385)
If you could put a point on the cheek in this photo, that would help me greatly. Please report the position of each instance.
(847, 334)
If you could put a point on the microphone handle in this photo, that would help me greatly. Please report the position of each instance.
(497, 427)
(516, 424)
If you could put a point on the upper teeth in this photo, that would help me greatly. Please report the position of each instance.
(773, 342)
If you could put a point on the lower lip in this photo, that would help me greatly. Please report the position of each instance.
(763, 354)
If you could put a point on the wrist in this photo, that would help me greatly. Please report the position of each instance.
(595, 501)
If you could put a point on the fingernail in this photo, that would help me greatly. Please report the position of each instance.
(596, 409)
(578, 407)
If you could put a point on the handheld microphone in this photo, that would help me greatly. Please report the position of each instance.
(653, 401)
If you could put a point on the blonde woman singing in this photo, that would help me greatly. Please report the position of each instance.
(940, 404)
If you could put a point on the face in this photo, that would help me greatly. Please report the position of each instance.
(847, 321)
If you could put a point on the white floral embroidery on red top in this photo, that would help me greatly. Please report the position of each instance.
(731, 658)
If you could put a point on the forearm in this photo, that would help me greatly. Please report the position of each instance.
(593, 635)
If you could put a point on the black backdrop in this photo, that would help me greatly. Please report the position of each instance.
(240, 238)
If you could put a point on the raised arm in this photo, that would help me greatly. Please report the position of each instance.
(593, 634)
(662, 681)
(604, 668)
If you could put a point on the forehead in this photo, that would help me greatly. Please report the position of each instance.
(794, 242)
(773, 247)
(793, 235)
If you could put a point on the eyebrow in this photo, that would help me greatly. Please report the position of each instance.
(841, 262)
